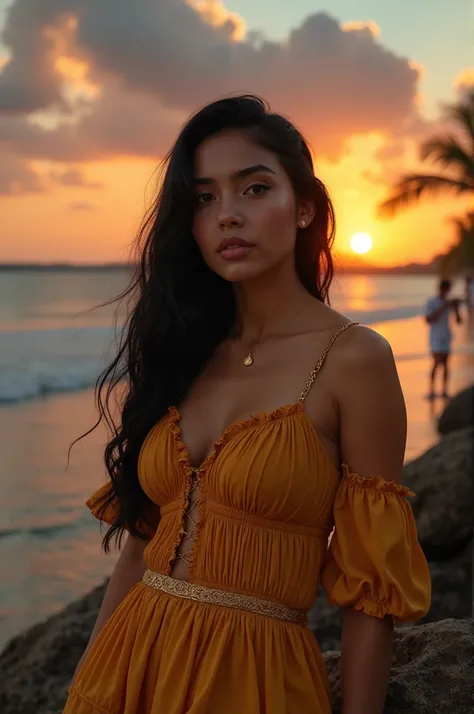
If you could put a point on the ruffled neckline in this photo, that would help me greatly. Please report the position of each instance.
(237, 427)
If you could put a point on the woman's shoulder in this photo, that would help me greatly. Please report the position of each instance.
(360, 358)
(362, 370)
(364, 344)
(358, 343)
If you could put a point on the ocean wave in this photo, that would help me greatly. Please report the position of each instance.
(36, 531)
(376, 315)
(42, 379)
(36, 363)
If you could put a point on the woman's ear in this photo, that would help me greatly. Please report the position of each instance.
(305, 214)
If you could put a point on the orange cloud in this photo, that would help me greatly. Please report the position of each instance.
(360, 26)
(215, 13)
(465, 79)
(417, 67)
(18, 177)
(75, 73)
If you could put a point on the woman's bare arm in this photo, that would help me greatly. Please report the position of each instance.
(372, 440)
(128, 571)
(366, 660)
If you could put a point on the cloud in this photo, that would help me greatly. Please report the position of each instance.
(119, 123)
(368, 26)
(33, 32)
(73, 177)
(394, 149)
(82, 206)
(464, 82)
(386, 175)
(17, 177)
(157, 62)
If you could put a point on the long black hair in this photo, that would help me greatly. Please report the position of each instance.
(179, 310)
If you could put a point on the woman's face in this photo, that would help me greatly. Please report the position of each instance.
(246, 213)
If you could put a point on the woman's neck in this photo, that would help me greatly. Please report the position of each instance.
(266, 304)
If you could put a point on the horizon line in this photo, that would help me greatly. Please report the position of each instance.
(344, 265)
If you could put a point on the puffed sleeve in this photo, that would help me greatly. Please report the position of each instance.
(107, 511)
(374, 561)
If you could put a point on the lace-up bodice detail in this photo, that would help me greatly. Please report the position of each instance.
(190, 518)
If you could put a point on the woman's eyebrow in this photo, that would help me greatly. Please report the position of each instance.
(241, 173)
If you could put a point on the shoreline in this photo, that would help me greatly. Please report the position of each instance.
(348, 268)
(423, 414)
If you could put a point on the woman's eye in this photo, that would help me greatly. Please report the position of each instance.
(203, 197)
(257, 189)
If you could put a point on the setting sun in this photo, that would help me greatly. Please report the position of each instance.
(361, 243)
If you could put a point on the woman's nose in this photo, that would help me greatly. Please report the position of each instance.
(229, 215)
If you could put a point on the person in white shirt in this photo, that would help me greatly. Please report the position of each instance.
(437, 313)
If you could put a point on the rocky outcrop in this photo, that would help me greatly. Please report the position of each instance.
(459, 413)
(451, 584)
(36, 667)
(443, 481)
(432, 668)
(326, 623)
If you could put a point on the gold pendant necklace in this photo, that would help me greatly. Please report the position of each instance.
(248, 361)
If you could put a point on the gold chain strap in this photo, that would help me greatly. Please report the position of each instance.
(310, 381)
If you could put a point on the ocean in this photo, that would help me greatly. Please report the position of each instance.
(54, 339)
(53, 343)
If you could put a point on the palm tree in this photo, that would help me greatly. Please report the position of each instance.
(454, 154)
(460, 256)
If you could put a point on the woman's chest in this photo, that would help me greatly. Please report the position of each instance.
(272, 465)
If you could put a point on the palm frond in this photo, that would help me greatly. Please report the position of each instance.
(459, 223)
(410, 189)
(463, 115)
(449, 153)
(467, 221)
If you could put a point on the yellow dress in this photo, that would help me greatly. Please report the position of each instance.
(269, 498)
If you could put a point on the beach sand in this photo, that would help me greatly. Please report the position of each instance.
(408, 339)
(52, 553)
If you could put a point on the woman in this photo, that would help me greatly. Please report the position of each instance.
(228, 515)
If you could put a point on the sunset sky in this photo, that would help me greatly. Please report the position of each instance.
(93, 94)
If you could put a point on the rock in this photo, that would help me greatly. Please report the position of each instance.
(443, 481)
(326, 623)
(432, 670)
(36, 667)
(451, 582)
(459, 413)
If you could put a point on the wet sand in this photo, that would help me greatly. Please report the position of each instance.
(408, 339)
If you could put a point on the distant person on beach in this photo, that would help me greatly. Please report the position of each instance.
(438, 314)
(254, 418)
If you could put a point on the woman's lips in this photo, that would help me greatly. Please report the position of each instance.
(234, 248)
(235, 252)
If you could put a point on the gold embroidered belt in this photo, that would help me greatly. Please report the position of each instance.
(212, 596)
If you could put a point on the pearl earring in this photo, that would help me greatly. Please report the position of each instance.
(302, 224)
